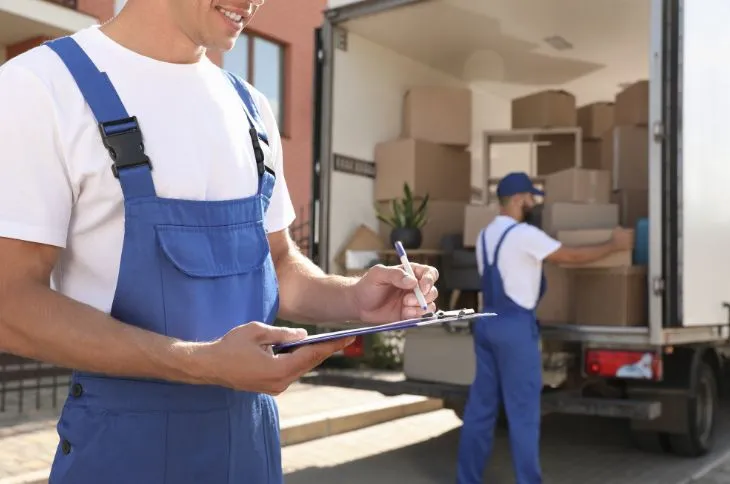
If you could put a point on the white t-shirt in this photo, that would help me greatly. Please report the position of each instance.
(520, 258)
(57, 186)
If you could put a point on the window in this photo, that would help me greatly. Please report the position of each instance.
(261, 63)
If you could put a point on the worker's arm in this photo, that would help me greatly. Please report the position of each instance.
(308, 295)
(620, 240)
(39, 323)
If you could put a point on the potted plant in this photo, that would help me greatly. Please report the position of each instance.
(406, 219)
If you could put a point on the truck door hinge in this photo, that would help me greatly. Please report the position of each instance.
(341, 39)
(657, 285)
(657, 130)
(726, 305)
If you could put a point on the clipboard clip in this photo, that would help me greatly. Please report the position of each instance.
(453, 326)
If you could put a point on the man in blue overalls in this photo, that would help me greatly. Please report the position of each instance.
(510, 254)
(148, 186)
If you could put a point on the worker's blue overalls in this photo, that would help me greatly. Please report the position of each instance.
(191, 270)
(508, 371)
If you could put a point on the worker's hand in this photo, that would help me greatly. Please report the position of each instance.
(622, 239)
(243, 358)
(385, 294)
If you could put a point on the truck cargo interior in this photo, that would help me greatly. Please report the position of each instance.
(538, 80)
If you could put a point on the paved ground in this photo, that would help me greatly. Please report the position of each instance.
(422, 450)
(28, 441)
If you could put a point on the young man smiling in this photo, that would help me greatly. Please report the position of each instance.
(147, 186)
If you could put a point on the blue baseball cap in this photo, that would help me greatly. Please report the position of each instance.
(517, 182)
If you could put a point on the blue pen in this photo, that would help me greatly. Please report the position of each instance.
(407, 266)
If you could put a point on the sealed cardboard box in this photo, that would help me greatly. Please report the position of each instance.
(632, 105)
(573, 216)
(578, 185)
(595, 119)
(476, 217)
(626, 152)
(557, 306)
(442, 172)
(438, 115)
(591, 154)
(633, 205)
(444, 218)
(578, 238)
(544, 109)
(611, 297)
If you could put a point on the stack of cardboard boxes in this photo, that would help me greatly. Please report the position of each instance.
(583, 205)
(431, 156)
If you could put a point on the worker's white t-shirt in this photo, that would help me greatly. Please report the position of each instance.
(520, 258)
(57, 186)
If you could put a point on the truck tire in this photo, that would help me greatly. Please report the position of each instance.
(701, 416)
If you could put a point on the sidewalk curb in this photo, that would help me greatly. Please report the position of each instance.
(311, 427)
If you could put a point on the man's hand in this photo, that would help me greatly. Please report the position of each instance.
(385, 294)
(622, 239)
(243, 359)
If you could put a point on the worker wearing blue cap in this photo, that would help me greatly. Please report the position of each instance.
(510, 254)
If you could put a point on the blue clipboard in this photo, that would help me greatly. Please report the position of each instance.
(440, 317)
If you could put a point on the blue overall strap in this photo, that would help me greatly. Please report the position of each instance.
(499, 244)
(120, 133)
(257, 133)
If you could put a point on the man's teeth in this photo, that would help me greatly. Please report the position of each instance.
(233, 16)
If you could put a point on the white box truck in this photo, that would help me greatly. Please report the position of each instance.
(369, 53)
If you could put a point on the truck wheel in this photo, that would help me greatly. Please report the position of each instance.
(701, 416)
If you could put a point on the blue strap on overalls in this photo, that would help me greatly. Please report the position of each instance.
(121, 133)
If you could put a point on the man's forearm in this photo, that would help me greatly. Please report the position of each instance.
(310, 296)
(39, 323)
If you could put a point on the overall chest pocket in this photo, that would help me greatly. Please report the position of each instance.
(214, 278)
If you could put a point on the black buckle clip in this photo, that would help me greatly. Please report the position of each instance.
(259, 153)
(123, 139)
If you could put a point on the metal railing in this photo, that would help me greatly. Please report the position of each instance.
(26, 384)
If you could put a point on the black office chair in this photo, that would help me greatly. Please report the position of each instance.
(458, 269)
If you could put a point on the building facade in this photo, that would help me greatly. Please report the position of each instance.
(275, 54)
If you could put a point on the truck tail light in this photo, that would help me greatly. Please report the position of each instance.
(635, 365)
(356, 349)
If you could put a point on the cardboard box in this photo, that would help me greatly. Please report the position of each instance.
(438, 115)
(544, 109)
(611, 297)
(626, 153)
(362, 238)
(595, 119)
(632, 105)
(444, 218)
(579, 238)
(633, 205)
(573, 216)
(559, 155)
(557, 306)
(592, 154)
(442, 172)
(578, 185)
(476, 217)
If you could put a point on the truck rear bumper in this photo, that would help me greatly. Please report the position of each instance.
(566, 402)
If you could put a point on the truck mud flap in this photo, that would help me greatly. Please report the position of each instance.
(575, 404)
(387, 383)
